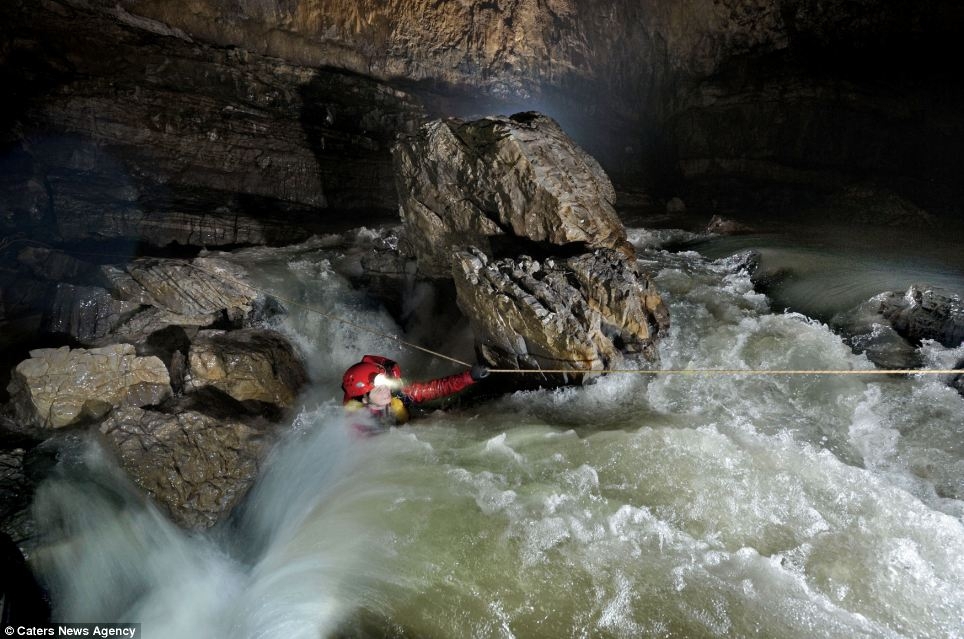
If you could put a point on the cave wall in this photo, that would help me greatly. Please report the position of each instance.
(176, 119)
(122, 131)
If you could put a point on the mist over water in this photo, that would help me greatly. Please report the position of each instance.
(635, 506)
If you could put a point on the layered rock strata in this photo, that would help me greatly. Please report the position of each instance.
(124, 128)
(496, 182)
(581, 314)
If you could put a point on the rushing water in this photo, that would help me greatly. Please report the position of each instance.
(635, 506)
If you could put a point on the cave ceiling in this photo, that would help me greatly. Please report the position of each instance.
(174, 109)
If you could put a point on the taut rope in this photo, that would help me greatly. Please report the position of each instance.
(545, 371)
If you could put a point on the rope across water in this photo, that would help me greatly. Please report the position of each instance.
(543, 371)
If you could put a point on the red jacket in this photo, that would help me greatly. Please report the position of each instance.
(418, 392)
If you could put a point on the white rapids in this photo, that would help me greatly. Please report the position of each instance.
(635, 506)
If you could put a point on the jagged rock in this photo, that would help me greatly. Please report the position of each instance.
(58, 386)
(150, 298)
(247, 364)
(198, 288)
(582, 313)
(497, 180)
(868, 334)
(86, 313)
(122, 286)
(745, 262)
(149, 295)
(195, 466)
(150, 320)
(925, 313)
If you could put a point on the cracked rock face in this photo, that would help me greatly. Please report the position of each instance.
(247, 364)
(203, 287)
(150, 295)
(58, 387)
(194, 466)
(925, 313)
(582, 313)
(517, 178)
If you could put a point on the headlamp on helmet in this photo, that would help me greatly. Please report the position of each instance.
(372, 371)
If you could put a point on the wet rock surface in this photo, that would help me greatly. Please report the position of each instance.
(247, 364)
(16, 488)
(582, 313)
(201, 287)
(212, 415)
(925, 313)
(87, 314)
(58, 387)
(890, 327)
(499, 184)
(196, 467)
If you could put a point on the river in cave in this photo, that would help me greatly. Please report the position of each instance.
(633, 506)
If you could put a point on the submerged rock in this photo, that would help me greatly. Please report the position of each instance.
(501, 180)
(195, 466)
(58, 387)
(247, 364)
(581, 313)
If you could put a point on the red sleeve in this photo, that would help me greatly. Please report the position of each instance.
(420, 392)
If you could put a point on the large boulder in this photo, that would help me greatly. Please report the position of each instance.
(580, 313)
(201, 287)
(194, 466)
(107, 304)
(925, 313)
(61, 386)
(196, 293)
(500, 180)
(247, 364)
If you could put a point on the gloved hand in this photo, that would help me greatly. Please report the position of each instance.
(478, 372)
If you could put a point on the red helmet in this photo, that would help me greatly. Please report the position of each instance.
(359, 380)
